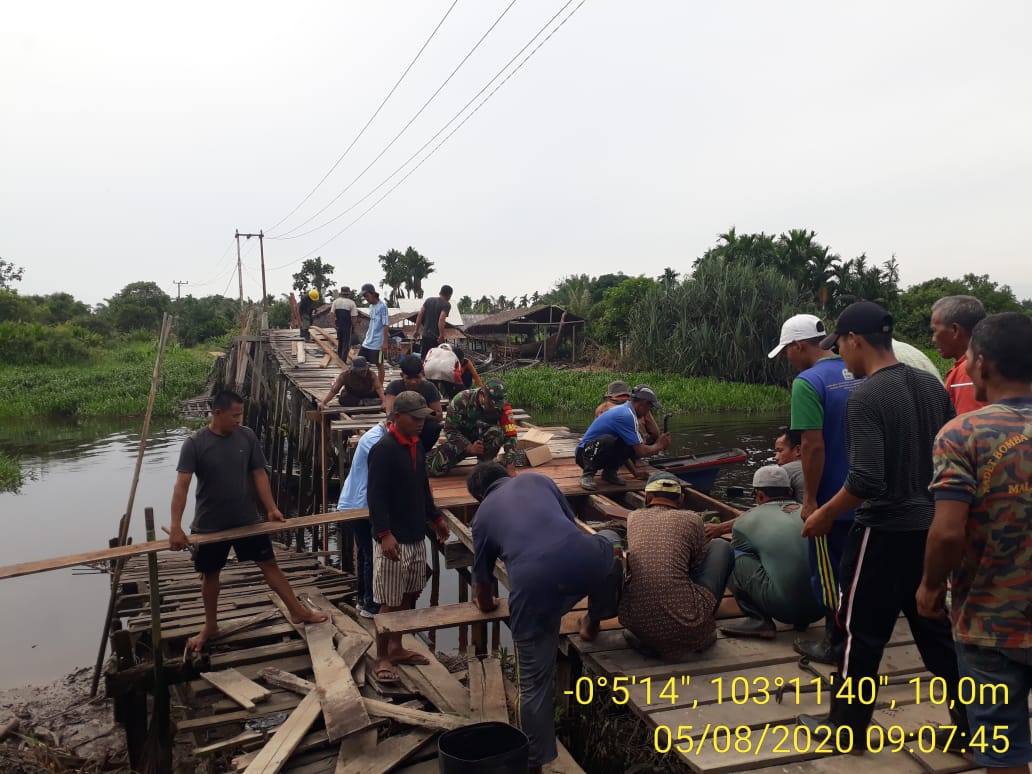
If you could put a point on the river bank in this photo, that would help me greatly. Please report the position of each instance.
(553, 389)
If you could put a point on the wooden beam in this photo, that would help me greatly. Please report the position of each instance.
(237, 687)
(286, 680)
(342, 710)
(156, 546)
(440, 617)
(278, 750)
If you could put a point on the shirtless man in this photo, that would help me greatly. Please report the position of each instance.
(226, 457)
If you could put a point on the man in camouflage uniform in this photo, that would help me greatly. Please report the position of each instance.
(478, 424)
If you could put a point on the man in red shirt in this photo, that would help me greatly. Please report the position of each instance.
(953, 319)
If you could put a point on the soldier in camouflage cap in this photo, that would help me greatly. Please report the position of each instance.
(478, 424)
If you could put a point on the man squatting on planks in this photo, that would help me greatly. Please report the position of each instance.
(226, 458)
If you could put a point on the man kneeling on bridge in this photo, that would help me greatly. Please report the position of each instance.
(552, 564)
(228, 461)
(478, 424)
(771, 578)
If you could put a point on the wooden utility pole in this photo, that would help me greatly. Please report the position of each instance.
(179, 287)
(265, 292)
(240, 280)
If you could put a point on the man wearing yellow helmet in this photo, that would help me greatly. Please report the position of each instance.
(306, 308)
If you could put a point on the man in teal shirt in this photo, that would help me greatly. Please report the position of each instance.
(771, 576)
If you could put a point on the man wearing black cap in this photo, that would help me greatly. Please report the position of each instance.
(354, 385)
(891, 423)
(615, 439)
(412, 379)
(400, 507)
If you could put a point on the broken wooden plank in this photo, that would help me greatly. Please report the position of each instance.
(386, 755)
(342, 710)
(280, 747)
(487, 691)
(428, 618)
(286, 680)
(437, 721)
(353, 640)
(353, 747)
(237, 687)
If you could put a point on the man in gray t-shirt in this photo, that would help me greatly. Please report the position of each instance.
(230, 470)
(430, 321)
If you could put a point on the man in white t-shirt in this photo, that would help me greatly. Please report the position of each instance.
(344, 312)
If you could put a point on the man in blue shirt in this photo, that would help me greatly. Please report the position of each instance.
(353, 495)
(526, 522)
(374, 346)
(819, 396)
(615, 439)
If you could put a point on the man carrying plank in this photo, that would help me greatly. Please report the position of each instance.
(526, 522)
(228, 461)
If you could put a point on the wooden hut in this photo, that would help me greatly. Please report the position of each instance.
(534, 333)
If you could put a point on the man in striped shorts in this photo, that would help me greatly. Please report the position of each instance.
(400, 506)
(819, 397)
(891, 422)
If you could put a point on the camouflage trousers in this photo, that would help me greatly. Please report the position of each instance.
(453, 451)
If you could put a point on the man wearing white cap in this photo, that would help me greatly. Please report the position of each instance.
(819, 397)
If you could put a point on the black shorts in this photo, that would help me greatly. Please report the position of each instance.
(211, 557)
(374, 356)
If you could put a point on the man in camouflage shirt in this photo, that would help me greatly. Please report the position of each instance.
(478, 424)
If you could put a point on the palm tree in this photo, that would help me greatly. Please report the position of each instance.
(416, 268)
(668, 277)
(394, 274)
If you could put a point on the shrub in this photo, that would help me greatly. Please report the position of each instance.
(35, 344)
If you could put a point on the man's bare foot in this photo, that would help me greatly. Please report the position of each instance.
(308, 616)
(385, 672)
(588, 628)
(408, 657)
(197, 642)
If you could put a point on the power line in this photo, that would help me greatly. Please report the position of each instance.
(459, 126)
(222, 268)
(445, 126)
(403, 129)
(371, 118)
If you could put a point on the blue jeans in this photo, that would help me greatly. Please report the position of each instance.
(716, 568)
(1004, 724)
(363, 531)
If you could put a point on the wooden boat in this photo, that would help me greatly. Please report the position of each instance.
(700, 470)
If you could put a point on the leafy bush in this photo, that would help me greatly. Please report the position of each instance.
(720, 323)
(35, 344)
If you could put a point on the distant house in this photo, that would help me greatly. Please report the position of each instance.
(534, 333)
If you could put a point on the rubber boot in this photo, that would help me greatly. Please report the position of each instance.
(587, 481)
(824, 652)
(756, 623)
(854, 714)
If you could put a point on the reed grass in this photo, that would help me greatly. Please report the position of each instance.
(10, 474)
(544, 387)
(115, 382)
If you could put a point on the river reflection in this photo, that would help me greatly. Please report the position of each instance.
(77, 486)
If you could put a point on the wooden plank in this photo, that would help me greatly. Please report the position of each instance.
(276, 703)
(278, 750)
(434, 681)
(237, 687)
(436, 721)
(244, 737)
(386, 755)
(353, 640)
(355, 746)
(563, 764)
(487, 691)
(283, 679)
(342, 710)
(156, 546)
(439, 617)
(465, 536)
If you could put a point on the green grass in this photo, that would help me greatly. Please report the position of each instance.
(10, 474)
(115, 382)
(545, 387)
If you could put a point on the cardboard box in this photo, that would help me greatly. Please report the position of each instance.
(533, 438)
(538, 455)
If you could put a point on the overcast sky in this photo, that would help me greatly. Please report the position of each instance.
(136, 137)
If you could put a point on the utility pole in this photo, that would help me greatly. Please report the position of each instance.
(179, 287)
(265, 292)
(240, 281)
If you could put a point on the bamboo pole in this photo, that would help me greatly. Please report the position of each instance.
(123, 527)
